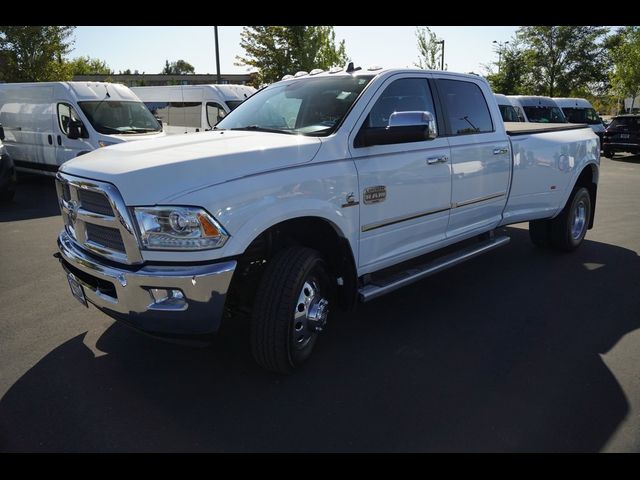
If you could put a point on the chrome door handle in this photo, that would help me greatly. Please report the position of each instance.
(500, 151)
(434, 160)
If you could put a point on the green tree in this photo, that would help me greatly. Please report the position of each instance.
(429, 49)
(625, 77)
(512, 71)
(179, 67)
(35, 53)
(561, 59)
(276, 51)
(89, 66)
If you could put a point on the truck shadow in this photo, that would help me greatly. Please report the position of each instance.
(502, 353)
(35, 198)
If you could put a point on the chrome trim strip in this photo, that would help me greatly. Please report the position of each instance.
(352, 204)
(404, 218)
(478, 200)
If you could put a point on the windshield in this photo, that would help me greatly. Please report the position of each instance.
(115, 117)
(540, 114)
(308, 106)
(581, 115)
(508, 113)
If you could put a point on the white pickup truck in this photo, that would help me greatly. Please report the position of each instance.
(318, 192)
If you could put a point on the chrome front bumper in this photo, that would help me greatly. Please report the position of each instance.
(125, 293)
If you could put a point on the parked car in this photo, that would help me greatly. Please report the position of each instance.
(7, 172)
(579, 110)
(622, 135)
(192, 108)
(48, 123)
(538, 109)
(507, 110)
(316, 193)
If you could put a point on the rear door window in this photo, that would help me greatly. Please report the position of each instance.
(466, 107)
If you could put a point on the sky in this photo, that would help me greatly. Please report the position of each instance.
(146, 48)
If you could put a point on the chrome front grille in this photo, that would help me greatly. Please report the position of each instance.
(105, 236)
(96, 218)
(95, 202)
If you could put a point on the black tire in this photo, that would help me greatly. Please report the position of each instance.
(607, 154)
(540, 233)
(567, 231)
(275, 340)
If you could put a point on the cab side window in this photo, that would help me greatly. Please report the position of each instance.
(215, 113)
(466, 107)
(66, 113)
(404, 95)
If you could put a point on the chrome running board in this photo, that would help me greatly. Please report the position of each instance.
(385, 285)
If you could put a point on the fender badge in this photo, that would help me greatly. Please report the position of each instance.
(375, 194)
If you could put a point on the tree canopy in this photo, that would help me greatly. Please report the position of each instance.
(562, 59)
(89, 66)
(429, 49)
(625, 77)
(35, 53)
(276, 51)
(179, 67)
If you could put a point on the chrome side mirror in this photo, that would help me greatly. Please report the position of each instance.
(415, 119)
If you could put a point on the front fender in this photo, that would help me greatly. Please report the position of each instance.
(248, 206)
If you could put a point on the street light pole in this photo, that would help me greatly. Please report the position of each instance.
(441, 42)
(218, 77)
(500, 45)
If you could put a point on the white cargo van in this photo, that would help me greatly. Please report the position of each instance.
(579, 110)
(192, 108)
(48, 123)
(538, 109)
(507, 110)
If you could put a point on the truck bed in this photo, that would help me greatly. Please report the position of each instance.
(525, 128)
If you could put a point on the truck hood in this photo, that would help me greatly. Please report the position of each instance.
(147, 173)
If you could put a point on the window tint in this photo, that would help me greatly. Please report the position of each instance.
(466, 106)
(404, 95)
(581, 115)
(631, 123)
(540, 114)
(65, 114)
(182, 114)
(215, 113)
(233, 104)
(508, 113)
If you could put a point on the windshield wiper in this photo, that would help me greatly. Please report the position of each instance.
(258, 128)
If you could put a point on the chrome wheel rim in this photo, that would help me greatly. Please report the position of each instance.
(579, 220)
(309, 315)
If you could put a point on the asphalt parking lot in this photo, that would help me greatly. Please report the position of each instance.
(517, 350)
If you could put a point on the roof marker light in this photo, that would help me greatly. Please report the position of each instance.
(301, 73)
(316, 71)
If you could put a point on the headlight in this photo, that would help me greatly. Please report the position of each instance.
(178, 228)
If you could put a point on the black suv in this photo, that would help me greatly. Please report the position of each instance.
(622, 135)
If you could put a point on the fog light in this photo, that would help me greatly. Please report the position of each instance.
(167, 299)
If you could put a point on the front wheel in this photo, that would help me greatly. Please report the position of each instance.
(291, 309)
